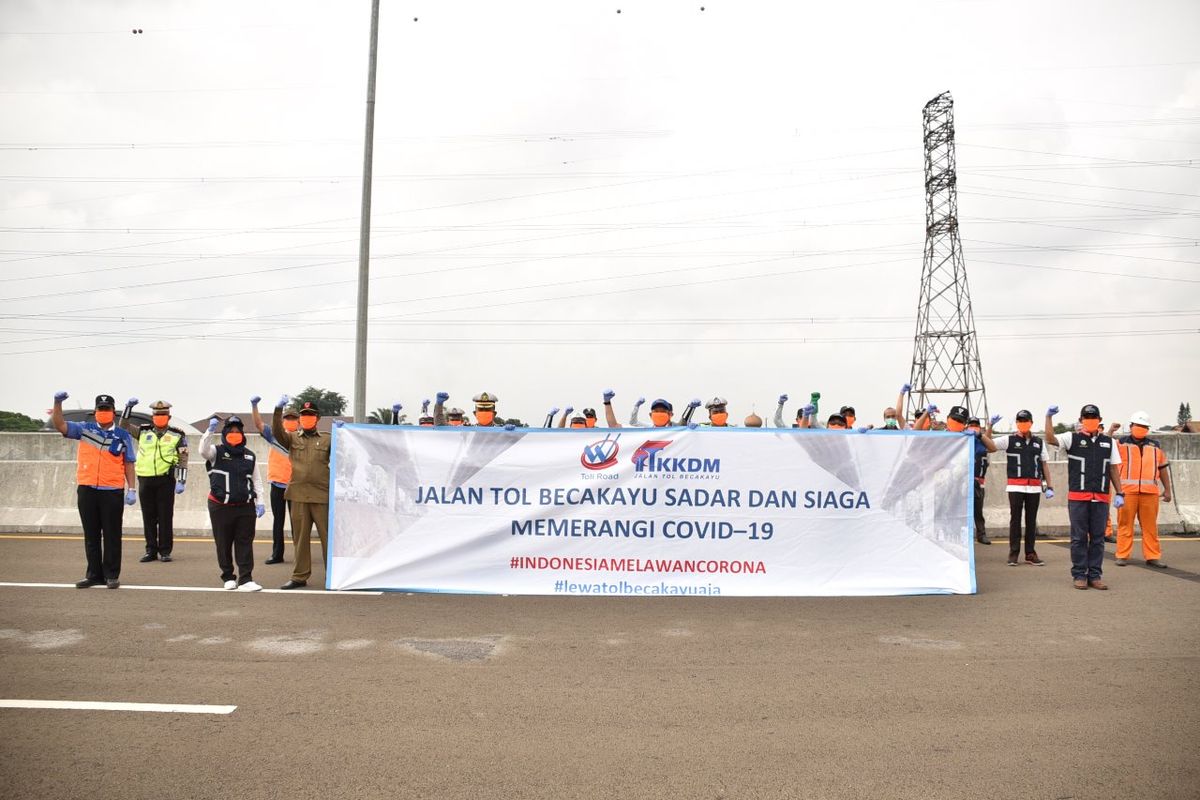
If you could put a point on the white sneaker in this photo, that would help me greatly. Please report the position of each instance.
(249, 586)
(231, 585)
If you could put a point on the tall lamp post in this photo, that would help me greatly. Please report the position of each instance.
(364, 232)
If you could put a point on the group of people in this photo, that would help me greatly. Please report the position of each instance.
(115, 454)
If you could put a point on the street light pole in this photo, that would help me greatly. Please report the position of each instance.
(364, 232)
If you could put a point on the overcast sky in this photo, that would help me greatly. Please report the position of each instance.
(669, 201)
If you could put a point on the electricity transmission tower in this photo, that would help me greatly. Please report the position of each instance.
(945, 367)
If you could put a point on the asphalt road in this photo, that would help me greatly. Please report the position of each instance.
(1028, 689)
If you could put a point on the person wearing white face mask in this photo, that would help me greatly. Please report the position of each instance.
(1143, 465)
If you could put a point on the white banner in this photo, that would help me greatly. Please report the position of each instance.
(638, 511)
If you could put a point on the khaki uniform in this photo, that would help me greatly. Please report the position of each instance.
(308, 491)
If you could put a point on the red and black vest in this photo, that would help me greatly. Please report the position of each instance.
(1024, 461)
(231, 475)
(1088, 459)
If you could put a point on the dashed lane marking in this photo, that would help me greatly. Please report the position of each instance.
(89, 705)
(298, 592)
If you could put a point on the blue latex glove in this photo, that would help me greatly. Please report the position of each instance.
(906, 388)
(809, 410)
(973, 432)
(443, 397)
(609, 394)
(508, 426)
(337, 423)
(425, 406)
(255, 400)
(283, 401)
(131, 402)
(1049, 493)
(1118, 501)
(212, 425)
(568, 409)
(693, 425)
(179, 487)
(996, 418)
(862, 430)
(554, 411)
(1051, 411)
(396, 407)
(783, 398)
(931, 409)
(130, 497)
(640, 401)
(695, 403)
(60, 396)
(259, 509)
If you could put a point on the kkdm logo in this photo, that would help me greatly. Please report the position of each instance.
(649, 458)
(601, 454)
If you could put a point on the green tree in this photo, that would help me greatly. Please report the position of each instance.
(383, 416)
(15, 421)
(1185, 414)
(327, 401)
(512, 421)
(1061, 428)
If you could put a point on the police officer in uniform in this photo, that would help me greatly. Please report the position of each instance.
(162, 463)
(308, 490)
(718, 414)
(485, 409)
(234, 501)
(1093, 468)
(104, 464)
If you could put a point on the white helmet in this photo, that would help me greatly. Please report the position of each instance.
(1139, 418)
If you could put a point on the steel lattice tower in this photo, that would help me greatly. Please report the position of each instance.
(945, 368)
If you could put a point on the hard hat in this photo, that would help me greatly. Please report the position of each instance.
(1139, 418)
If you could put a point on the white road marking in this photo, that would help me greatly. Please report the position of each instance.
(87, 705)
(298, 592)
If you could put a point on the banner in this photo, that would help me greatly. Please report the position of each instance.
(651, 511)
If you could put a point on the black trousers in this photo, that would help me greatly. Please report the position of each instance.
(980, 525)
(233, 531)
(100, 512)
(1023, 504)
(158, 512)
(279, 506)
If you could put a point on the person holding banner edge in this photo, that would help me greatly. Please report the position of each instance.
(308, 490)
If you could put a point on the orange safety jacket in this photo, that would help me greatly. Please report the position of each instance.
(279, 466)
(96, 464)
(1140, 465)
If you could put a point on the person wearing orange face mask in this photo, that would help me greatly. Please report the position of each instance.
(308, 490)
(718, 413)
(1025, 455)
(235, 499)
(1143, 465)
(983, 446)
(589, 417)
(578, 422)
(1093, 468)
(161, 469)
(485, 409)
(660, 412)
(104, 464)
(279, 474)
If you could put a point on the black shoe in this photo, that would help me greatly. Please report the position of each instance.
(165, 557)
(294, 584)
(112, 583)
(1110, 539)
(982, 538)
(274, 560)
(1154, 562)
(148, 557)
(87, 583)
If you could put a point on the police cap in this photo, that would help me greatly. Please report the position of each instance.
(105, 401)
(716, 402)
(160, 407)
(309, 407)
(454, 412)
(1089, 411)
(485, 401)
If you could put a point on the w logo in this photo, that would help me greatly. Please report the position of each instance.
(601, 454)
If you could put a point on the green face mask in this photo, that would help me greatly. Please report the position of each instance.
(892, 423)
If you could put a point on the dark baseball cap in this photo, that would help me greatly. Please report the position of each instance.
(105, 401)
(848, 410)
(974, 421)
(959, 414)
(1089, 411)
(1024, 415)
(661, 403)
(234, 421)
(835, 419)
(590, 413)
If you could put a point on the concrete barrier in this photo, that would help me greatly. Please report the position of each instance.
(37, 490)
